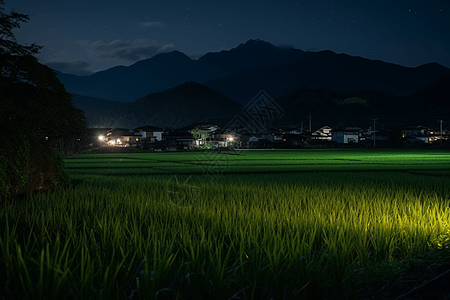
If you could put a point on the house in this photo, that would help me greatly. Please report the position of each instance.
(294, 140)
(204, 126)
(416, 131)
(183, 138)
(417, 134)
(346, 135)
(226, 138)
(149, 133)
(272, 135)
(376, 137)
(121, 137)
(323, 133)
(206, 131)
(290, 130)
(98, 135)
(244, 135)
(261, 144)
(439, 136)
(129, 140)
(180, 139)
(113, 136)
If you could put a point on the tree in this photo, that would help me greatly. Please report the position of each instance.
(47, 106)
(36, 110)
(11, 52)
(201, 136)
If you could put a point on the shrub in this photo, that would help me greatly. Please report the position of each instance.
(29, 164)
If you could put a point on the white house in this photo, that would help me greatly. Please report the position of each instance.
(121, 137)
(149, 133)
(417, 134)
(323, 133)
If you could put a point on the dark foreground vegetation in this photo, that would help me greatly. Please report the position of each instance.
(35, 111)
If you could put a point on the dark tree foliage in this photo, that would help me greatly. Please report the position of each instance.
(10, 50)
(36, 111)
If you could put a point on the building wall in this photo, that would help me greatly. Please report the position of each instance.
(338, 137)
(345, 138)
(130, 139)
(148, 135)
(351, 138)
(158, 135)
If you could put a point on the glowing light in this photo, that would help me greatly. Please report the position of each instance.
(101, 138)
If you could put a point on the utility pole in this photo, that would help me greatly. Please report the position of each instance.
(440, 121)
(374, 130)
(301, 128)
(310, 117)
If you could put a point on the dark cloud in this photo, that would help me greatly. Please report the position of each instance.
(78, 67)
(152, 24)
(131, 51)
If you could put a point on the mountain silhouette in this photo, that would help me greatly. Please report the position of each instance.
(252, 54)
(357, 108)
(176, 107)
(126, 84)
(240, 73)
(192, 102)
(92, 104)
(326, 69)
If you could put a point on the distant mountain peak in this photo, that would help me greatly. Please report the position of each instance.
(165, 56)
(433, 66)
(256, 43)
(175, 107)
(173, 53)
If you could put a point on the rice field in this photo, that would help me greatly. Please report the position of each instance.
(257, 161)
(262, 224)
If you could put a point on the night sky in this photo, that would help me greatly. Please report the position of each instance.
(81, 37)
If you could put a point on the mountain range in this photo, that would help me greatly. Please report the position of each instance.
(193, 102)
(358, 108)
(177, 107)
(240, 73)
(173, 90)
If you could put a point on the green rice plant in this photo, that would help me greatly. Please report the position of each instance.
(283, 235)
(250, 161)
(53, 266)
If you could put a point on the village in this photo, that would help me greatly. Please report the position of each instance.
(209, 135)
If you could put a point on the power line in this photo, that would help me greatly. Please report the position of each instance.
(309, 117)
(374, 119)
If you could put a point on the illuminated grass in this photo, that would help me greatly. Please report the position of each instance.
(253, 236)
(251, 161)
